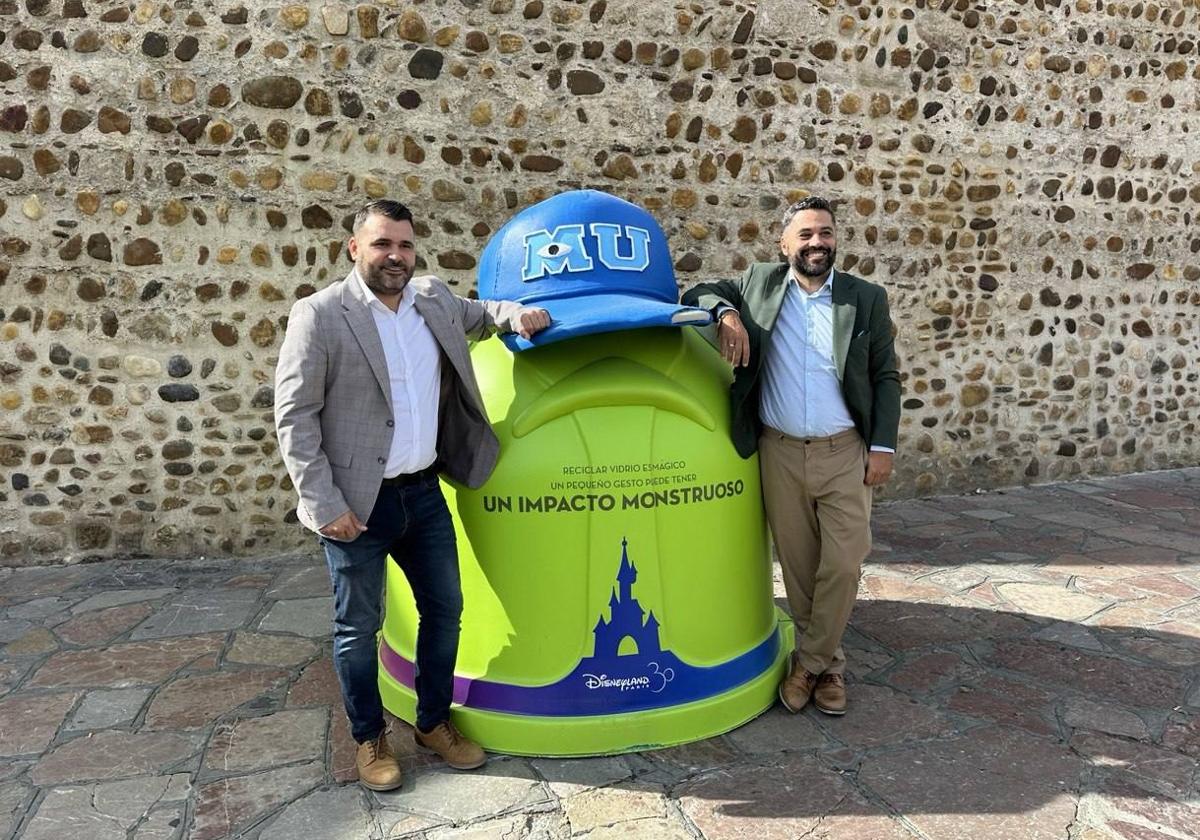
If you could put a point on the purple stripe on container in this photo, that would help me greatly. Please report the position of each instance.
(610, 686)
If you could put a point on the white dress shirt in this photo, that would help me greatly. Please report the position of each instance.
(414, 372)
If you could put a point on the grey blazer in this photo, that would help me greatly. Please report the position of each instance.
(333, 400)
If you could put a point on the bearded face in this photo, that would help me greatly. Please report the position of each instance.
(384, 254)
(810, 243)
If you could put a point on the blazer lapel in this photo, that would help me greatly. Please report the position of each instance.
(773, 290)
(362, 327)
(845, 307)
(435, 318)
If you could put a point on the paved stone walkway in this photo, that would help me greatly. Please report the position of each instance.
(1025, 665)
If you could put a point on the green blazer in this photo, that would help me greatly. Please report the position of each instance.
(863, 349)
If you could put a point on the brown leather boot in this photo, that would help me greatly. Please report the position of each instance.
(796, 687)
(377, 765)
(830, 694)
(459, 752)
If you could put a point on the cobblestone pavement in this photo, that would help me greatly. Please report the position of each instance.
(1025, 664)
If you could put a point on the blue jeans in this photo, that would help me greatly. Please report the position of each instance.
(412, 523)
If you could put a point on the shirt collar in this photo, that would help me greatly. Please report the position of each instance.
(406, 297)
(825, 289)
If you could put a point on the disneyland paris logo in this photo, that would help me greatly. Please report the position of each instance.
(655, 681)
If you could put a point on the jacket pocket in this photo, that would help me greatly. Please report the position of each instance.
(857, 355)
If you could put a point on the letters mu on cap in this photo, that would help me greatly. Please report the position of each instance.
(566, 250)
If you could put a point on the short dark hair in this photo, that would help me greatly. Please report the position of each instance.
(812, 202)
(393, 210)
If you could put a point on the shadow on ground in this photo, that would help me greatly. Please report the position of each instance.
(965, 722)
(1023, 665)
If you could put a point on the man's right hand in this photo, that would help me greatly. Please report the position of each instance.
(733, 339)
(532, 320)
(345, 528)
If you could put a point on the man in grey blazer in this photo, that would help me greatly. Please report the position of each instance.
(374, 396)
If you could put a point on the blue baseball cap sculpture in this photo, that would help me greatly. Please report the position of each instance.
(595, 262)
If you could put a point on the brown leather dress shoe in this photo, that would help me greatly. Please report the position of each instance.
(377, 765)
(458, 751)
(830, 694)
(796, 687)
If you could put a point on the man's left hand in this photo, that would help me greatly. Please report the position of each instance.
(532, 321)
(879, 468)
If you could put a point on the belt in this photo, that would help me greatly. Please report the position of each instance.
(407, 479)
(848, 433)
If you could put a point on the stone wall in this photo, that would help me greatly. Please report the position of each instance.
(1021, 176)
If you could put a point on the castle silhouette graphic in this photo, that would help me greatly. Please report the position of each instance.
(625, 617)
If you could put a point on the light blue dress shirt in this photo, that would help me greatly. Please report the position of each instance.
(801, 393)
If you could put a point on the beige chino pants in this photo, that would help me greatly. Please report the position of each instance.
(819, 511)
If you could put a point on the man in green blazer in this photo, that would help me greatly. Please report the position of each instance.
(816, 393)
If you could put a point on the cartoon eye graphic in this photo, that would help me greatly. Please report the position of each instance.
(553, 249)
